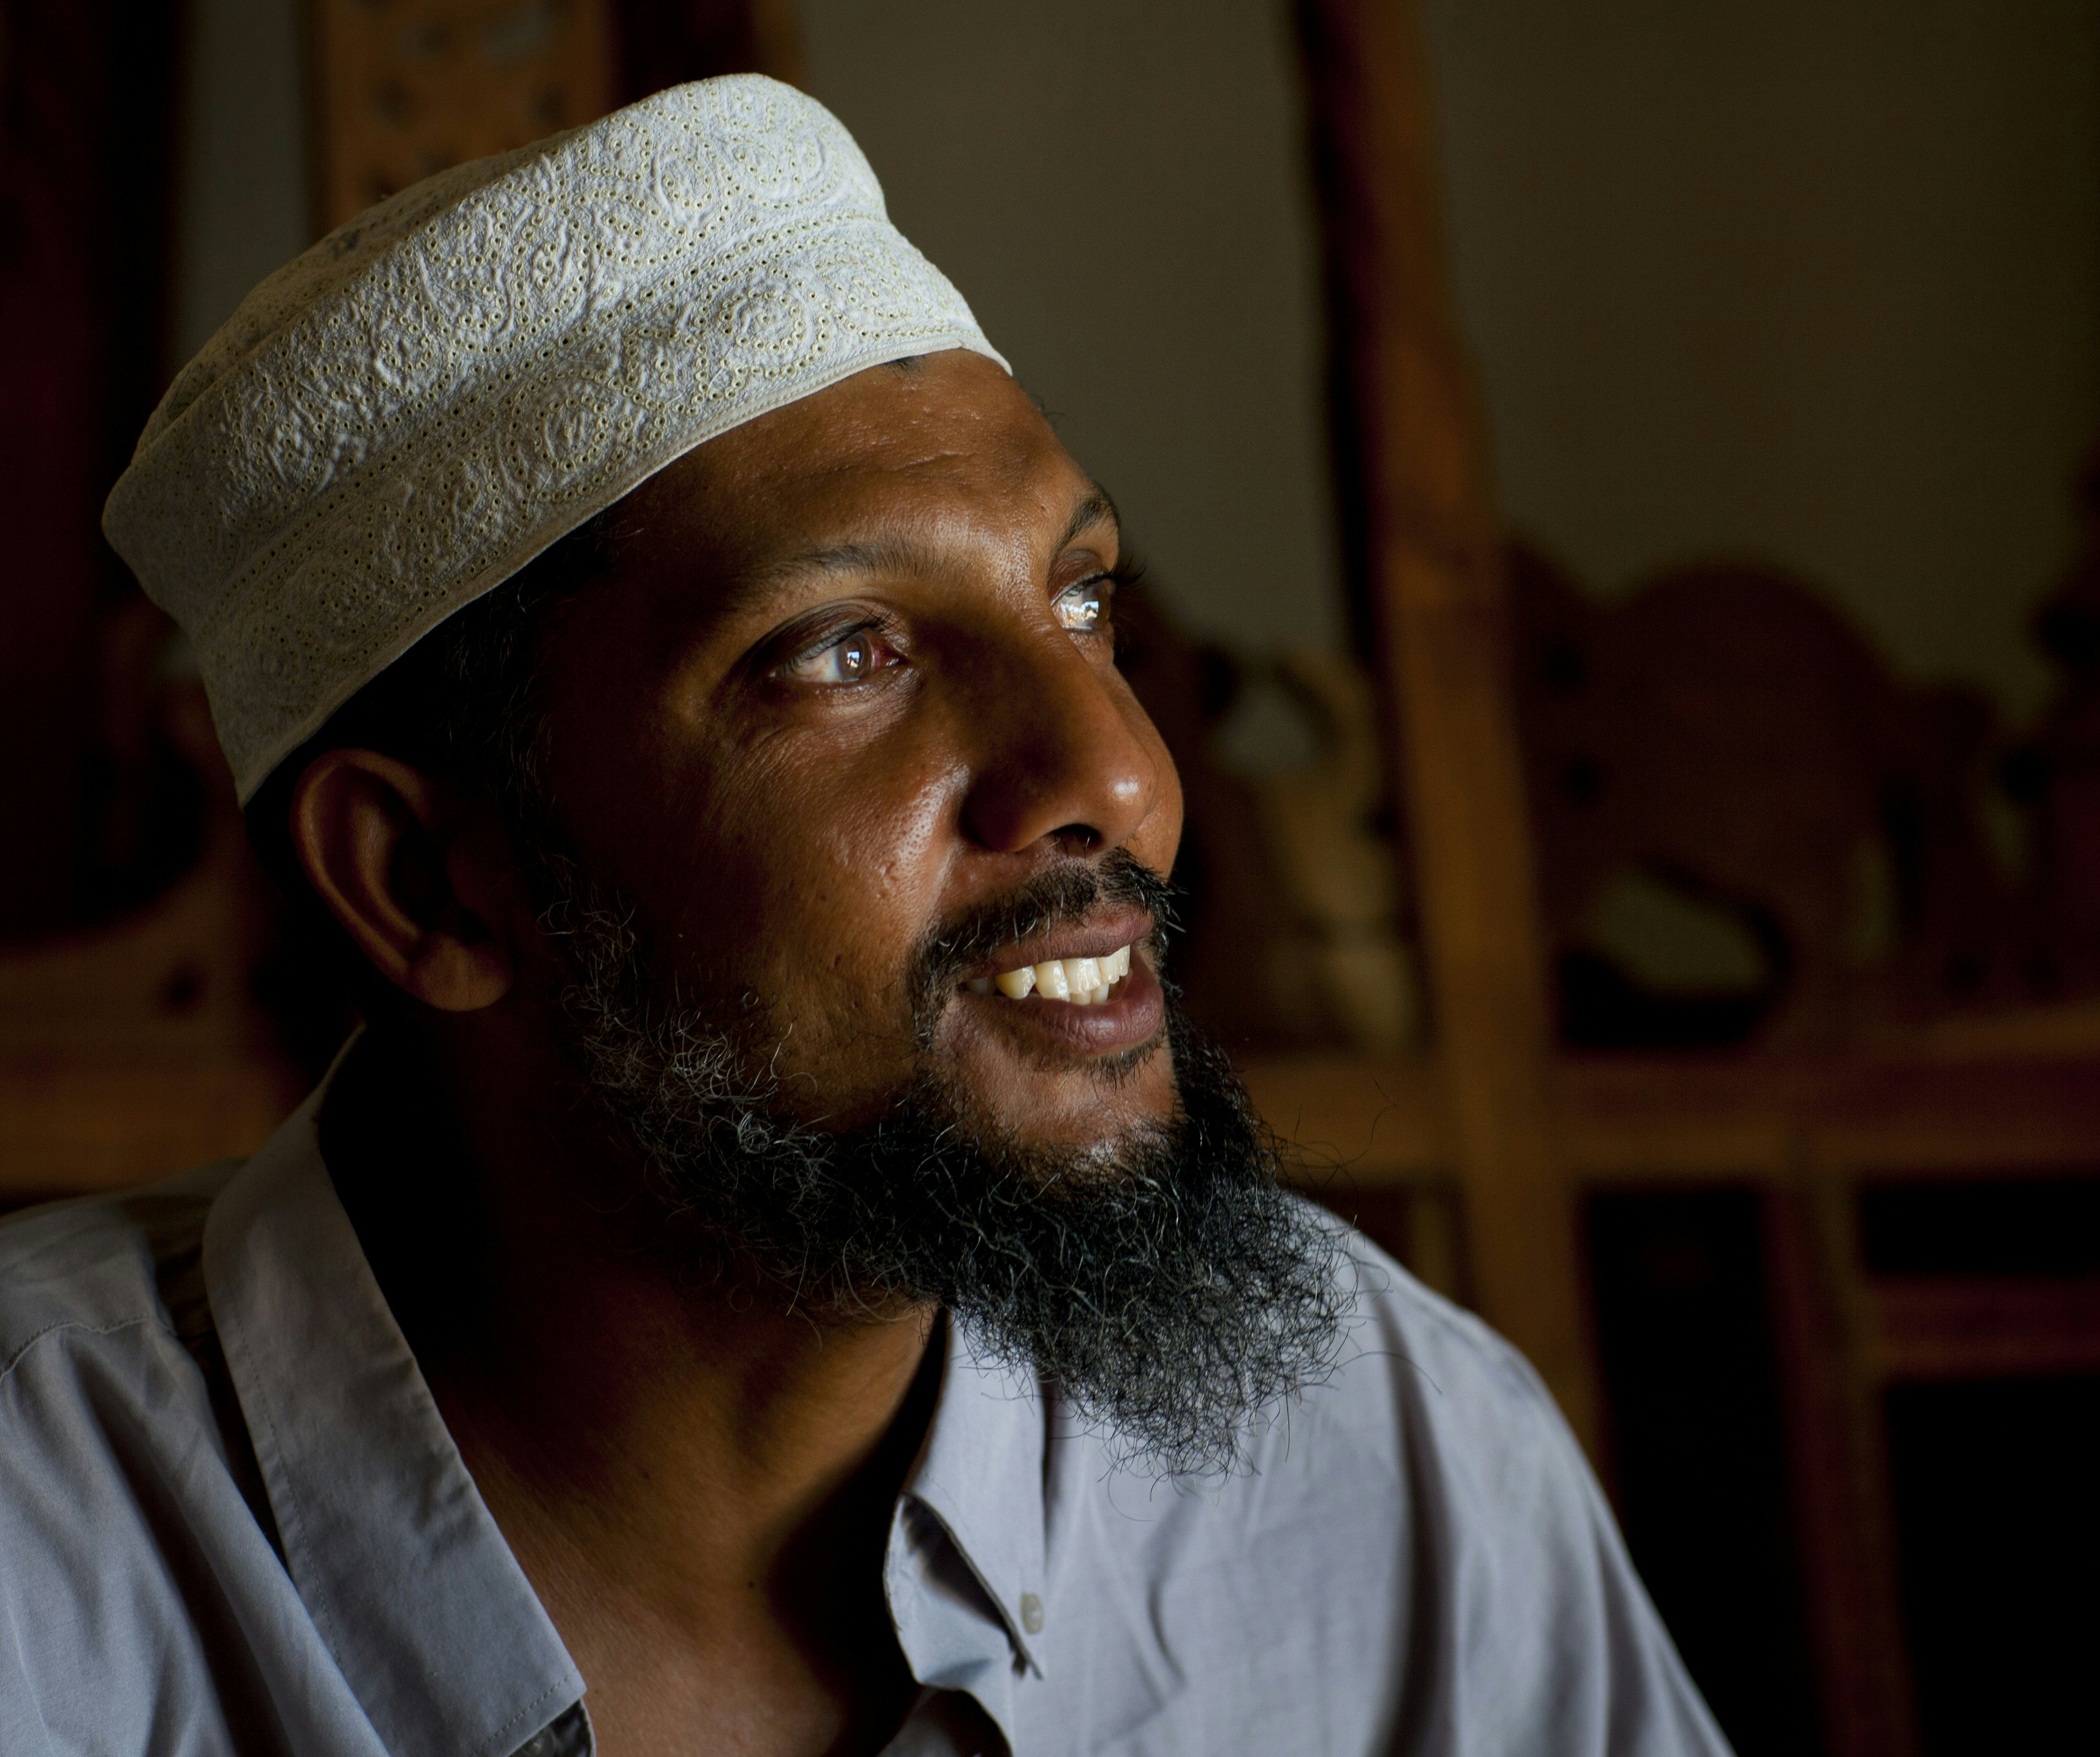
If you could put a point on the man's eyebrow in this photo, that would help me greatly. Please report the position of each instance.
(1097, 506)
(900, 554)
(889, 554)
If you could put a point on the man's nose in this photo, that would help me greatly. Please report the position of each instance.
(1062, 754)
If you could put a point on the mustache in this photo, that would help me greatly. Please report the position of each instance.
(1063, 897)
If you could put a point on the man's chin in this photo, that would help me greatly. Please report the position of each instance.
(1158, 1279)
(1121, 1231)
(1091, 1114)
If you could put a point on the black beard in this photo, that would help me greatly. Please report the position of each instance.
(1168, 1289)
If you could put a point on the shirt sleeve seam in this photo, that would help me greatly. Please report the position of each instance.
(15, 1359)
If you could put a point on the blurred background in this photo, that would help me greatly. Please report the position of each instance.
(1620, 494)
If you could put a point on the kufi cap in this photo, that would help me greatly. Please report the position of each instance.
(403, 417)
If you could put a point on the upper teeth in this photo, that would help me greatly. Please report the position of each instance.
(1081, 981)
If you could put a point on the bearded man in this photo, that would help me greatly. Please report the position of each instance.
(775, 1254)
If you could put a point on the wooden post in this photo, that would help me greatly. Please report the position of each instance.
(1427, 556)
(87, 144)
(1839, 1463)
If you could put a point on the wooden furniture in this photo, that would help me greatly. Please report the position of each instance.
(142, 1046)
(130, 1041)
(1430, 561)
(1725, 738)
(85, 159)
(1480, 1155)
(1809, 1134)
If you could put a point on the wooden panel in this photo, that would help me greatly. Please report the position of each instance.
(1837, 1475)
(1772, 1119)
(85, 149)
(131, 1043)
(404, 88)
(170, 986)
(1938, 1329)
(1380, 1123)
(70, 1128)
(141, 1048)
(1430, 555)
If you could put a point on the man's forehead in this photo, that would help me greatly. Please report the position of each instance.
(952, 414)
(945, 452)
(880, 538)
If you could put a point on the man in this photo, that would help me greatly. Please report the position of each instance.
(776, 1257)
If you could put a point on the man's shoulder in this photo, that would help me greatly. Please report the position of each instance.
(1417, 1394)
(1413, 1537)
(97, 1263)
(1428, 1414)
(134, 1530)
(1411, 1356)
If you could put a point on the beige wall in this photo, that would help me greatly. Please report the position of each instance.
(1118, 186)
(1813, 280)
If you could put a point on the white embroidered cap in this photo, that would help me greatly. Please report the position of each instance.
(403, 417)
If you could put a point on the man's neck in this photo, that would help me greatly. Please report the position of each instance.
(698, 1479)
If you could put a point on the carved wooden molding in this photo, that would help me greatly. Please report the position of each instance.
(404, 88)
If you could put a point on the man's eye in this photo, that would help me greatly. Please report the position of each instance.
(851, 659)
(1082, 608)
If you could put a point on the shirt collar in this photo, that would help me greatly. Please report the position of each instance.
(433, 1623)
(965, 1568)
(980, 1474)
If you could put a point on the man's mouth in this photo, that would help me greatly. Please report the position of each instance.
(1085, 988)
(1078, 982)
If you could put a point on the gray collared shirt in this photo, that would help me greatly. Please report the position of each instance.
(232, 1520)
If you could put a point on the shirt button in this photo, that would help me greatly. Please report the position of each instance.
(1031, 1614)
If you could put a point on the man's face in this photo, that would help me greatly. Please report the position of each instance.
(852, 682)
(837, 741)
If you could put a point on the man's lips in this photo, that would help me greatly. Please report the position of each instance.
(1130, 1017)
(1114, 930)
(1087, 987)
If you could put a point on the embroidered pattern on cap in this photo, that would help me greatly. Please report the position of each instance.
(404, 416)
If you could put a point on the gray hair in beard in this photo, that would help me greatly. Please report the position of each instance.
(1169, 1292)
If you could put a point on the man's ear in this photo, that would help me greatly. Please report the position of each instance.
(392, 853)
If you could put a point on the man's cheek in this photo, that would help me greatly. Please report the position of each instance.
(829, 874)
(838, 963)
